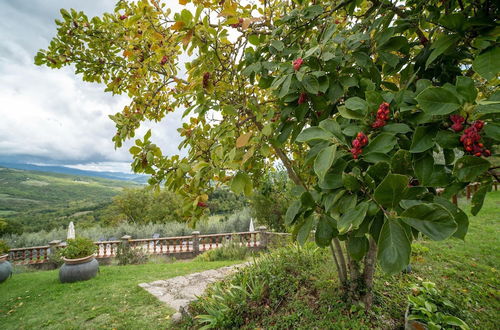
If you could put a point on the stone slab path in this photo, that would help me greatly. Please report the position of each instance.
(178, 292)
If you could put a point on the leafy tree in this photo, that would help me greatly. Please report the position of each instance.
(271, 200)
(370, 106)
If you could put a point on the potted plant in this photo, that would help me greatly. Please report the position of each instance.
(79, 261)
(428, 309)
(5, 266)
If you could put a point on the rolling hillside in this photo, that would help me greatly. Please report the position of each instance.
(35, 200)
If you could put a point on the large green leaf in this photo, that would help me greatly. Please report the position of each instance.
(478, 198)
(469, 168)
(401, 162)
(423, 139)
(311, 84)
(352, 218)
(466, 88)
(391, 190)
(448, 139)
(241, 183)
(356, 104)
(487, 63)
(292, 212)
(325, 231)
(324, 161)
(383, 143)
(304, 229)
(314, 133)
(349, 114)
(440, 46)
(394, 247)
(357, 247)
(437, 101)
(492, 130)
(433, 220)
(459, 216)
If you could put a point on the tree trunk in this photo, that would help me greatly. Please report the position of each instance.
(369, 272)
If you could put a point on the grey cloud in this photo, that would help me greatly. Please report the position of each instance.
(52, 116)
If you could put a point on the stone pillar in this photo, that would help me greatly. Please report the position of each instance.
(196, 242)
(54, 245)
(263, 236)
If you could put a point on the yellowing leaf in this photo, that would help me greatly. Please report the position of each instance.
(183, 2)
(204, 198)
(127, 53)
(177, 26)
(246, 23)
(243, 140)
(187, 38)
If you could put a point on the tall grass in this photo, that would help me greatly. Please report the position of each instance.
(237, 222)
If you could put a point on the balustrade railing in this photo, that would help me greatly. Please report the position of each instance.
(193, 244)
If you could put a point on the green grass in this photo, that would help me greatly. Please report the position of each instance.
(111, 300)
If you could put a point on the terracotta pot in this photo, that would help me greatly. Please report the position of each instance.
(5, 268)
(80, 269)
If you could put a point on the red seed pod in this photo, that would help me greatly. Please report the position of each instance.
(122, 17)
(206, 79)
(457, 127)
(297, 63)
(302, 98)
(487, 153)
(164, 60)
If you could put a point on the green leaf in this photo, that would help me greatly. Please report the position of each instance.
(135, 150)
(468, 168)
(292, 212)
(350, 182)
(492, 131)
(285, 87)
(465, 86)
(325, 231)
(394, 247)
(423, 139)
(352, 218)
(437, 101)
(391, 190)
(401, 162)
(448, 139)
(459, 216)
(241, 183)
(304, 230)
(440, 46)
(356, 104)
(433, 220)
(278, 45)
(311, 84)
(254, 39)
(314, 133)
(396, 128)
(324, 161)
(357, 247)
(487, 63)
(349, 114)
(478, 198)
(383, 143)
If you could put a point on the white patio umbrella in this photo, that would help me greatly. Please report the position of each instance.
(251, 225)
(71, 231)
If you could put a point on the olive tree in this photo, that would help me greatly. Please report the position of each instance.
(373, 107)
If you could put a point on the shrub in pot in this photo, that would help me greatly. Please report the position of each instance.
(5, 266)
(79, 261)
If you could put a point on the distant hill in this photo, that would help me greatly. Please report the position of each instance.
(138, 178)
(35, 200)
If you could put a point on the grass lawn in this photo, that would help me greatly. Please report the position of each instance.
(111, 300)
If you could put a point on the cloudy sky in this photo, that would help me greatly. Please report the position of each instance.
(50, 116)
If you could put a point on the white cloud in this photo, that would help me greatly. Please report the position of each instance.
(51, 114)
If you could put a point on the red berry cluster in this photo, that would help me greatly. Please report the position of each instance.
(358, 143)
(164, 60)
(202, 204)
(457, 123)
(297, 63)
(302, 98)
(122, 17)
(382, 115)
(470, 140)
(237, 25)
(206, 79)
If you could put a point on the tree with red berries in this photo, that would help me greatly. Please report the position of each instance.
(371, 106)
